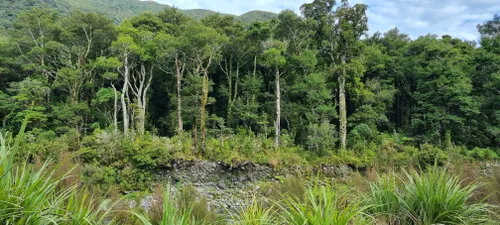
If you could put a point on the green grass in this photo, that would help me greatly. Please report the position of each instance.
(436, 197)
(430, 197)
(254, 214)
(171, 214)
(37, 196)
(323, 206)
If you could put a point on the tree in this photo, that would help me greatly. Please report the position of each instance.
(234, 55)
(275, 60)
(37, 34)
(339, 33)
(295, 30)
(125, 49)
(206, 44)
(86, 36)
(173, 47)
(443, 89)
(486, 84)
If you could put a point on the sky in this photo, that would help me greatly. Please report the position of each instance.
(457, 18)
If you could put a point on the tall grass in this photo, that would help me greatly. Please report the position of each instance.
(35, 196)
(436, 197)
(430, 197)
(254, 214)
(171, 214)
(322, 206)
(384, 200)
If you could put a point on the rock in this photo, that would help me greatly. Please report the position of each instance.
(221, 185)
(229, 187)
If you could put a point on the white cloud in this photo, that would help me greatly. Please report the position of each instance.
(457, 18)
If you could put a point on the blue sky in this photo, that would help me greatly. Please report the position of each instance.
(415, 17)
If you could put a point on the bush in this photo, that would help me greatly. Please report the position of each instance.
(384, 201)
(170, 214)
(482, 154)
(130, 163)
(254, 214)
(433, 197)
(31, 196)
(322, 206)
(430, 156)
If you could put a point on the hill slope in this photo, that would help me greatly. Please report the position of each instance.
(117, 10)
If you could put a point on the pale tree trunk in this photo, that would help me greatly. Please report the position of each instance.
(126, 74)
(115, 111)
(342, 106)
(229, 75)
(234, 95)
(140, 86)
(180, 66)
(204, 102)
(278, 109)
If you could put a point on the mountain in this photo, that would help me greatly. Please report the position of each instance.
(117, 10)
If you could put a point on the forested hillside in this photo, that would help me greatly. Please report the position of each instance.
(116, 10)
(127, 101)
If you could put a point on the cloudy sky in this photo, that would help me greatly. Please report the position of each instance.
(415, 17)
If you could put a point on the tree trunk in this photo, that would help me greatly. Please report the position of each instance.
(204, 101)
(140, 86)
(278, 109)
(180, 71)
(115, 111)
(126, 75)
(342, 106)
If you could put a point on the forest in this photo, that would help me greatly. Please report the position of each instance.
(93, 111)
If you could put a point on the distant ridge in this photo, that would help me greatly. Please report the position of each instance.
(117, 10)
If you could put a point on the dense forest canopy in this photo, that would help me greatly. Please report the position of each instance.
(316, 81)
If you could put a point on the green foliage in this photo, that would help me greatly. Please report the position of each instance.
(37, 196)
(129, 163)
(383, 200)
(254, 214)
(481, 154)
(430, 155)
(322, 206)
(431, 197)
(170, 213)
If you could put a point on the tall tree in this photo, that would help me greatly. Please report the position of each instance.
(206, 44)
(37, 35)
(443, 89)
(274, 59)
(125, 49)
(486, 84)
(174, 47)
(234, 55)
(340, 33)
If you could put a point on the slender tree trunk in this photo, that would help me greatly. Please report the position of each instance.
(204, 101)
(179, 73)
(115, 111)
(278, 109)
(342, 106)
(235, 92)
(229, 75)
(126, 75)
